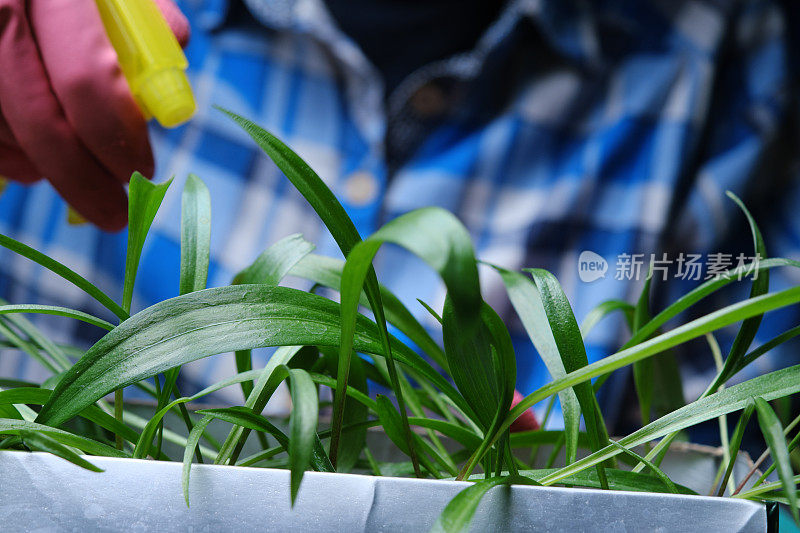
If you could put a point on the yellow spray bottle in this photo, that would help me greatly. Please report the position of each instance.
(151, 59)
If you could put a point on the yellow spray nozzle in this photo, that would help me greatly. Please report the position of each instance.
(151, 59)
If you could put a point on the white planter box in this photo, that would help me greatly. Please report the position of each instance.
(39, 492)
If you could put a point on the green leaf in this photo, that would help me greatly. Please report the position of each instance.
(769, 386)
(357, 394)
(448, 250)
(269, 268)
(767, 347)
(773, 435)
(656, 470)
(335, 218)
(306, 181)
(668, 385)
(143, 444)
(43, 443)
(736, 442)
(27, 347)
(527, 303)
(570, 346)
(11, 412)
(696, 328)
(644, 370)
(36, 396)
(617, 480)
(458, 514)
(59, 311)
(191, 444)
(302, 426)
(244, 363)
(701, 326)
(245, 417)
(26, 327)
(391, 422)
(701, 291)
(504, 366)
(602, 310)
(268, 380)
(65, 272)
(327, 271)
(209, 322)
(15, 427)
(275, 262)
(431, 311)
(195, 257)
(195, 235)
(749, 327)
(354, 412)
(144, 199)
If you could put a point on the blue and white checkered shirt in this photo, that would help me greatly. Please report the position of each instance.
(609, 126)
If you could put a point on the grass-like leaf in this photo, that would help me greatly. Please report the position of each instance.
(769, 386)
(144, 199)
(269, 268)
(354, 412)
(195, 257)
(244, 417)
(603, 310)
(448, 251)
(327, 271)
(195, 235)
(644, 370)
(527, 303)
(691, 330)
(268, 380)
(773, 435)
(702, 291)
(44, 443)
(59, 311)
(617, 480)
(698, 327)
(569, 341)
(391, 422)
(65, 272)
(208, 322)
(747, 331)
(342, 229)
(275, 262)
(90, 446)
(458, 514)
(653, 468)
(302, 426)
(16, 341)
(37, 337)
(36, 396)
(735, 444)
(191, 444)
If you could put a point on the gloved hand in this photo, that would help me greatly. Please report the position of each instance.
(66, 113)
(527, 420)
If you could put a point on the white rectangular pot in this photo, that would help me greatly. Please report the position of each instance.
(40, 492)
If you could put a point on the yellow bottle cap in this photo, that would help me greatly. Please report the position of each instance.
(165, 95)
(151, 59)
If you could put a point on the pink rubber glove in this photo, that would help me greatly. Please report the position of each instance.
(66, 112)
(527, 420)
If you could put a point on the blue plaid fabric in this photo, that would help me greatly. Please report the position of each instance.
(608, 126)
